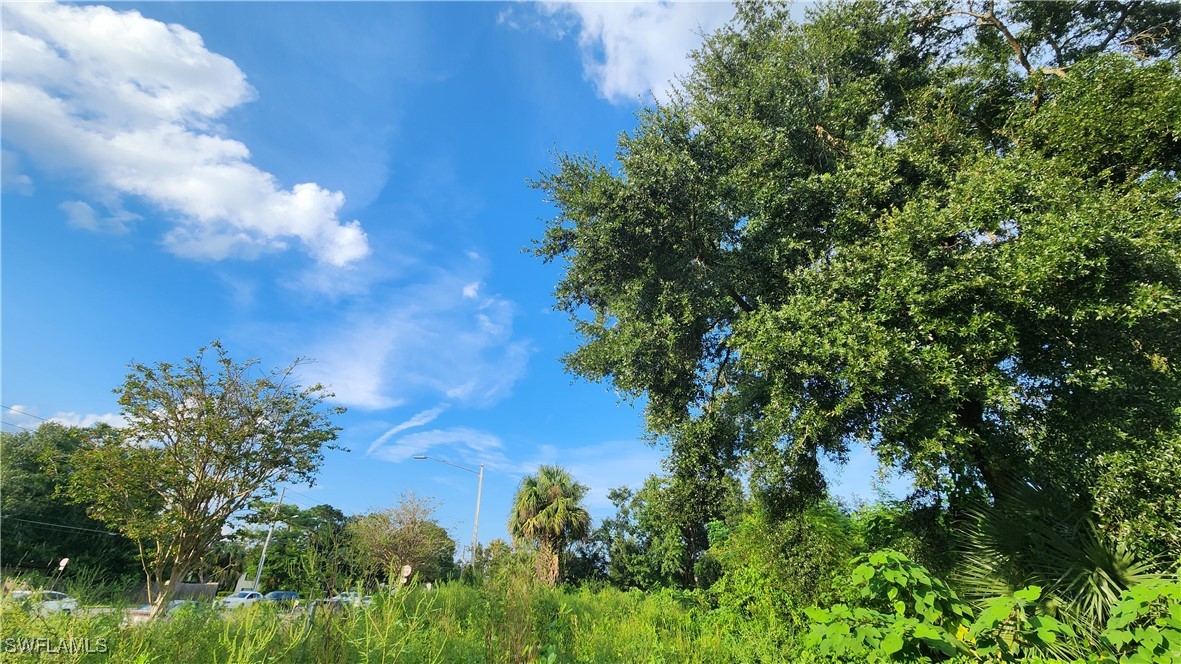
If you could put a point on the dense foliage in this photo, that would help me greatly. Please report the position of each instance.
(201, 440)
(946, 232)
(38, 526)
(310, 550)
(895, 611)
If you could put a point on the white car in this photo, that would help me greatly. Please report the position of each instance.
(346, 599)
(143, 613)
(239, 599)
(46, 601)
(353, 598)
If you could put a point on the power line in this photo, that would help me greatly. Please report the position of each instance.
(301, 503)
(17, 426)
(60, 526)
(291, 501)
(298, 493)
(36, 417)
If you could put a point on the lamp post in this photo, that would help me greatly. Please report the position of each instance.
(263, 560)
(479, 490)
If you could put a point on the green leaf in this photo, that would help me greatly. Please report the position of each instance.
(892, 643)
(1029, 594)
(1047, 635)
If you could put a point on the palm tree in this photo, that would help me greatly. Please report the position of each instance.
(548, 513)
(1033, 536)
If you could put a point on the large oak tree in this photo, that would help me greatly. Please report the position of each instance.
(949, 232)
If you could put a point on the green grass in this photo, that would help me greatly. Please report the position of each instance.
(510, 620)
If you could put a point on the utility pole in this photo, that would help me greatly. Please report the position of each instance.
(476, 523)
(271, 531)
(479, 490)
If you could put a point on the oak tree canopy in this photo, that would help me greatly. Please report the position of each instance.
(949, 232)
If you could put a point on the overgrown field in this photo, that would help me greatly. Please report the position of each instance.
(893, 611)
(451, 623)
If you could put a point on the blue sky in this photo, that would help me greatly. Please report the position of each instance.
(345, 182)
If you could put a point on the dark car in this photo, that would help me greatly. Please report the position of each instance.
(282, 597)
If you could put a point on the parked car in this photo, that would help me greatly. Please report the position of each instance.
(285, 598)
(239, 599)
(46, 601)
(353, 599)
(346, 599)
(141, 614)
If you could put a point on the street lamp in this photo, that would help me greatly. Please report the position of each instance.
(479, 490)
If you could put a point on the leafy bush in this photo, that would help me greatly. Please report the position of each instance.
(1012, 628)
(917, 528)
(897, 612)
(1145, 625)
(771, 570)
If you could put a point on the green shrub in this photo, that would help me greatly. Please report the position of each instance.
(1012, 628)
(1145, 625)
(896, 612)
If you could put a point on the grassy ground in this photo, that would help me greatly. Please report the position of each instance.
(513, 621)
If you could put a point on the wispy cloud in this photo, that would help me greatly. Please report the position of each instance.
(600, 466)
(421, 340)
(80, 214)
(629, 49)
(471, 445)
(89, 419)
(12, 179)
(129, 106)
(419, 419)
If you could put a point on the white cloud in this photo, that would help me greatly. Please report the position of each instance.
(472, 291)
(26, 417)
(129, 106)
(633, 49)
(80, 214)
(419, 419)
(421, 340)
(352, 364)
(468, 443)
(11, 177)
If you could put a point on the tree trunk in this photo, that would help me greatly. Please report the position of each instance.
(167, 590)
(546, 564)
(555, 568)
(996, 471)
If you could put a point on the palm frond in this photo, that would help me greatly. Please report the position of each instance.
(1030, 536)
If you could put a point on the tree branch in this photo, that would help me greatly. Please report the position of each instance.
(1125, 9)
(718, 376)
(742, 303)
(990, 17)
